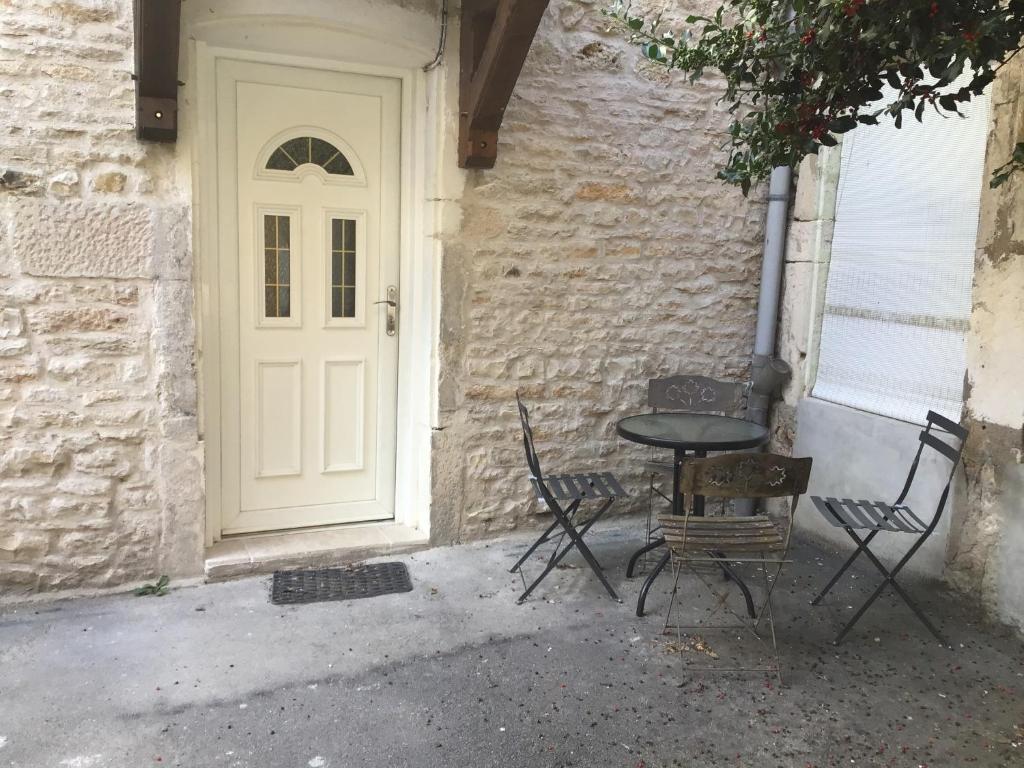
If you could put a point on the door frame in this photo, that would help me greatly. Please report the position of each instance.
(419, 258)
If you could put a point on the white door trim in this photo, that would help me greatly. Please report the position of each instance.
(419, 270)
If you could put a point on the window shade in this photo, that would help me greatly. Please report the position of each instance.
(898, 294)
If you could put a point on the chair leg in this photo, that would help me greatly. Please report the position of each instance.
(677, 570)
(650, 505)
(576, 540)
(584, 550)
(533, 548)
(649, 582)
(639, 553)
(919, 613)
(768, 588)
(730, 575)
(890, 579)
(841, 571)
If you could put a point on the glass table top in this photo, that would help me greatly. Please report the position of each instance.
(693, 431)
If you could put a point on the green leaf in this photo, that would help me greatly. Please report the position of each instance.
(954, 70)
(842, 124)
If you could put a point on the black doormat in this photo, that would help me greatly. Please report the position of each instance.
(313, 585)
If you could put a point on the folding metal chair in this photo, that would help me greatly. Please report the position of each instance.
(554, 490)
(877, 516)
(756, 539)
(683, 394)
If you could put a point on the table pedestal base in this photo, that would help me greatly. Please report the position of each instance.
(727, 571)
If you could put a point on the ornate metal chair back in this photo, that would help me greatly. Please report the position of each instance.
(746, 476)
(695, 394)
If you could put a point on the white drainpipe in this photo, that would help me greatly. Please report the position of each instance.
(768, 375)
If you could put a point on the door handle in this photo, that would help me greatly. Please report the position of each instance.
(391, 322)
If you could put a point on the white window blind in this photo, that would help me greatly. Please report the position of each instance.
(898, 295)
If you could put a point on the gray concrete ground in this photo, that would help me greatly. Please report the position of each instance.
(455, 674)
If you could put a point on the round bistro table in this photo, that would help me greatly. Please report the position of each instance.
(688, 435)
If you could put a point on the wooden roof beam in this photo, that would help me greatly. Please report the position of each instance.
(157, 29)
(493, 46)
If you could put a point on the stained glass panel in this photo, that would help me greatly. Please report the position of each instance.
(309, 150)
(276, 265)
(343, 268)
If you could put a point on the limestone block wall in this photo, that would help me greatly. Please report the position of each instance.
(100, 477)
(599, 252)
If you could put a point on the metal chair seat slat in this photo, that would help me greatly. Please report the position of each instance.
(589, 485)
(869, 515)
(907, 515)
(877, 513)
(597, 482)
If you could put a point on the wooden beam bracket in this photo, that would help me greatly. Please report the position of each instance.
(157, 29)
(494, 43)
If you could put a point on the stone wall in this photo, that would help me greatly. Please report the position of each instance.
(987, 550)
(97, 384)
(598, 253)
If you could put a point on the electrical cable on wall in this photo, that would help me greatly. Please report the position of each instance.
(443, 39)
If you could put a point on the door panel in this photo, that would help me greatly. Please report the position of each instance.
(309, 200)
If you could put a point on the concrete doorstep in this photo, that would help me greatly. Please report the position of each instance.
(456, 674)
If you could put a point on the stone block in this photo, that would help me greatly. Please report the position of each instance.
(82, 371)
(77, 319)
(118, 415)
(21, 182)
(74, 512)
(102, 462)
(111, 181)
(13, 347)
(95, 344)
(78, 12)
(83, 239)
(85, 485)
(24, 546)
(23, 458)
(63, 184)
(11, 323)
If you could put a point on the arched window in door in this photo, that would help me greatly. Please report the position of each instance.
(309, 150)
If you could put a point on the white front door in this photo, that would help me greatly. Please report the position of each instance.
(308, 211)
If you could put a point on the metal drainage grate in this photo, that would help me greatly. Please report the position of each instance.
(318, 584)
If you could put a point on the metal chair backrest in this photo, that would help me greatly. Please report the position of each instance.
(936, 424)
(531, 452)
(746, 476)
(695, 394)
(532, 459)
